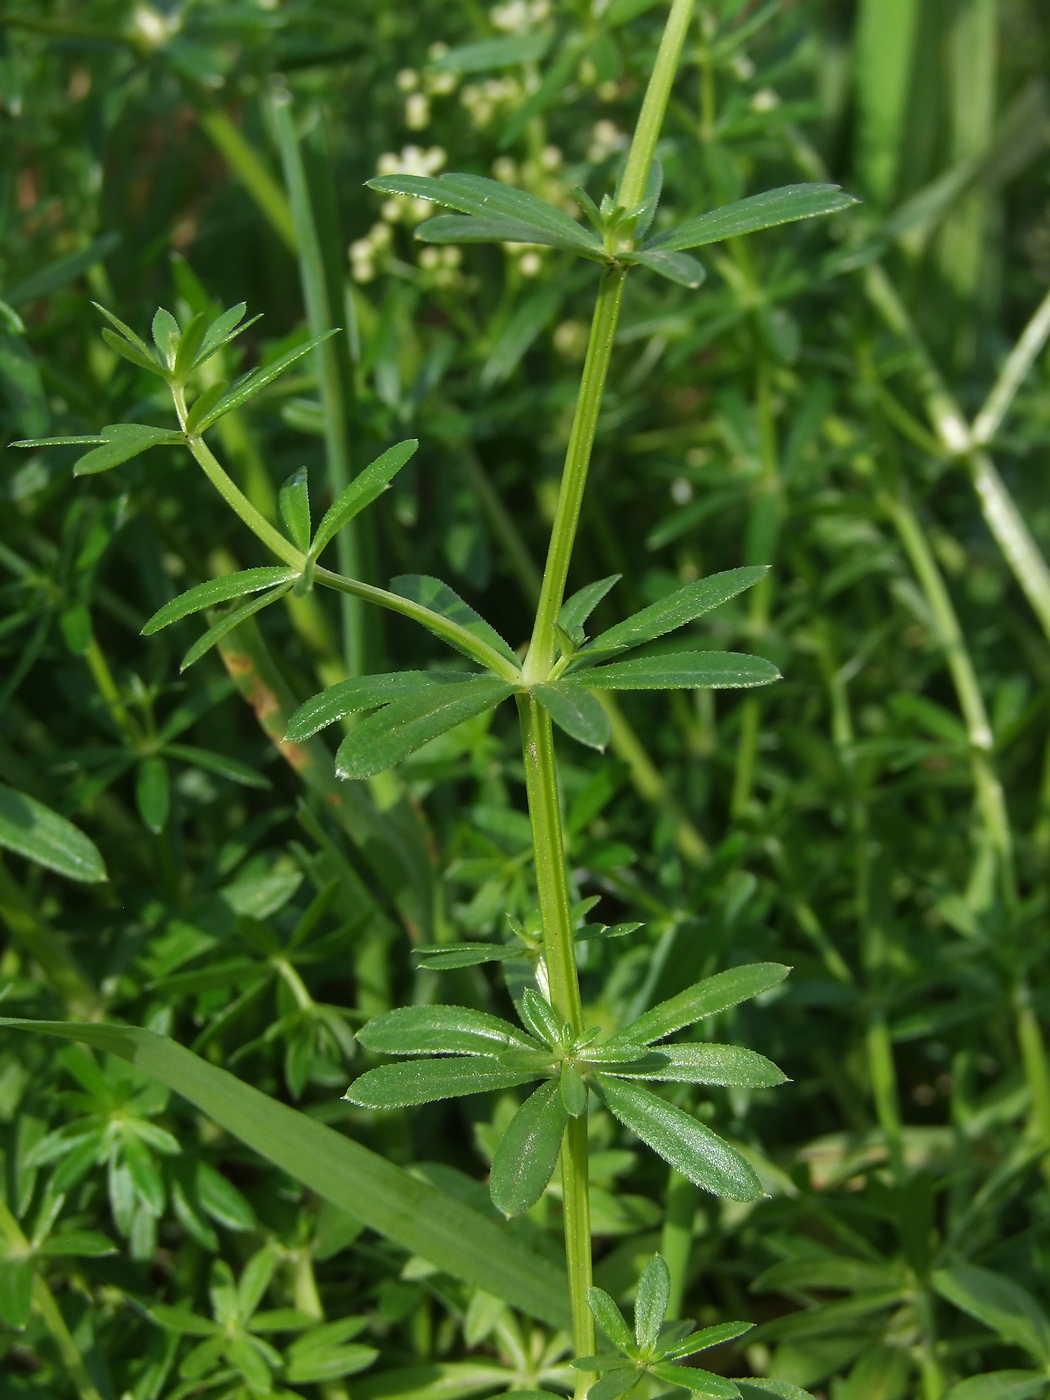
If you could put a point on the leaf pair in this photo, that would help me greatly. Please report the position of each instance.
(490, 1053)
(366, 487)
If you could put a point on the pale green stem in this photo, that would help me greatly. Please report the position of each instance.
(575, 1177)
(330, 379)
(654, 105)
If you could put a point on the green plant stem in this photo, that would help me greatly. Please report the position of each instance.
(676, 1238)
(334, 396)
(654, 105)
(44, 1302)
(575, 1177)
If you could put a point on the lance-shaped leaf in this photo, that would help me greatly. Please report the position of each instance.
(704, 998)
(217, 590)
(233, 619)
(1000, 1303)
(439, 598)
(222, 330)
(361, 1183)
(365, 693)
(698, 1381)
(32, 830)
(525, 1159)
(494, 53)
(576, 610)
(446, 956)
(489, 199)
(461, 228)
(609, 1318)
(405, 725)
(441, 1030)
(293, 506)
(684, 605)
(676, 267)
(651, 1300)
(220, 763)
(575, 711)
(707, 1337)
(683, 1142)
(366, 487)
(249, 385)
(730, 1066)
(684, 670)
(759, 211)
(120, 442)
(425, 1081)
(617, 1381)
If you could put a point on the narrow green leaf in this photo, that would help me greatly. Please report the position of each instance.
(575, 711)
(682, 1141)
(365, 1185)
(249, 385)
(439, 598)
(366, 487)
(1000, 1304)
(142, 359)
(217, 590)
(441, 1030)
(222, 330)
(494, 53)
(203, 404)
(993, 1385)
(684, 605)
(527, 1153)
(56, 274)
(759, 211)
(539, 1017)
(402, 727)
(59, 442)
(220, 763)
(447, 956)
(577, 609)
(686, 670)
(317, 1365)
(293, 506)
(189, 344)
(698, 1381)
(78, 1244)
(460, 228)
(425, 1081)
(153, 793)
(708, 1337)
(617, 1382)
(651, 1300)
(280, 1319)
(725, 1065)
(166, 335)
(126, 331)
(609, 1318)
(182, 1320)
(365, 693)
(704, 998)
(122, 441)
(32, 830)
(676, 267)
(226, 624)
(573, 1091)
(16, 1290)
(473, 194)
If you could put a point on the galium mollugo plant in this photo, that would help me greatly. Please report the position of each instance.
(453, 1051)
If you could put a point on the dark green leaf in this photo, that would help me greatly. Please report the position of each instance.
(446, 956)
(577, 609)
(676, 267)
(153, 793)
(402, 727)
(686, 670)
(189, 344)
(757, 1388)
(142, 359)
(59, 442)
(759, 211)
(312, 1365)
(425, 1081)
(440, 1030)
(121, 441)
(367, 487)
(249, 385)
(473, 194)
(684, 605)
(226, 624)
(609, 1318)
(651, 1300)
(182, 1320)
(217, 590)
(16, 1290)
(528, 1151)
(439, 598)
(203, 404)
(128, 334)
(726, 1065)
(32, 830)
(681, 1141)
(619, 1381)
(1000, 1304)
(575, 711)
(704, 998)
(23, 385)
(293, 506)
(605, 931)
(220, 763)
(699, 1382)
(56, 274)
(708, 1337)
(573, 1091)
(539, 1017)
(365, 693)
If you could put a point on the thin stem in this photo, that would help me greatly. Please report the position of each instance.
(574, 473)
(240, 504)
(654, 105)
(577, 1208)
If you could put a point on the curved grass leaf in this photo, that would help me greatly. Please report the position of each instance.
(730, 1066)
(365, 693)
(249, 385)
(120, 442)
(682, 606)
(698, 1381)
(217, 590)
(683, 1142)
(366, 487)
(361, 1183)
(226, 624)
(142, 359)
(441, 1030)
(686, 670)
(438, 597)
(473, 194)
(759, 211)
(575, 711)
(32, 830)
(528, 1151)
(651, 1300)
(404, 726)
(425, 1081)
(676, 267)
(575, 611)
(609, 1318)
(702, 999)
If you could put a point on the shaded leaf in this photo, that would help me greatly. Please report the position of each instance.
(365, 693)
(726, 1065)
(999, 1385)
(32, 830)
(527, 1153)
(694, 1379)
(461, 228)
(609, 1318)
(293, 506)
(574, 710)
(446, 956)
(153, 793)
(56, 274)
(577, 609)
(217, 590)
(438, 597)
(676, 267)
(999, 1303)
(494, 53)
